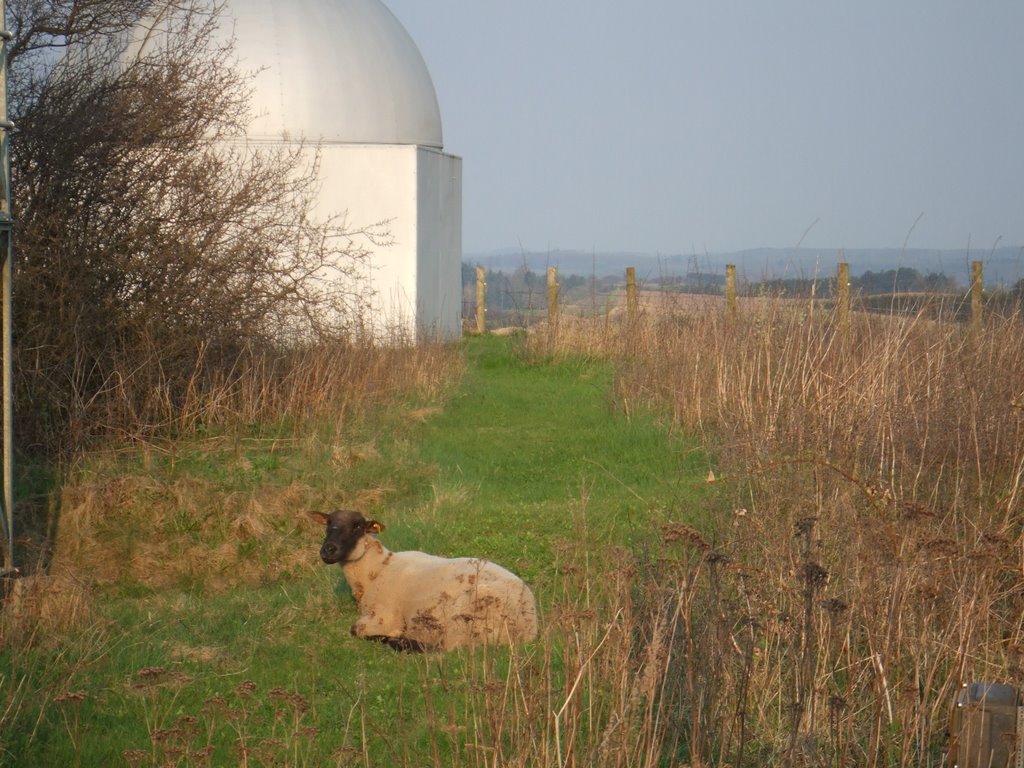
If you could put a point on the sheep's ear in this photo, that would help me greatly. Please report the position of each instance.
(373, 526)
(320, 517)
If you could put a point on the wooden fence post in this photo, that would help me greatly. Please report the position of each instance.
(632, 304)
(977, 294)
(730, 292)
(481, 300)
(552, 296)
(843, 293)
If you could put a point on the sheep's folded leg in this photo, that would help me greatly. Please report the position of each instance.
(401, 644)
(370, 626)
(396, 642)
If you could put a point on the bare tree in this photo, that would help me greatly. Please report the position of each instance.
(156, 245)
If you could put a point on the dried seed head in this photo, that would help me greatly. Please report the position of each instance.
(836, 703)
(835, 606)
(805, 525)
(915, 509)
(814, 574)
(71, 697)
(215, 703)
(682, 532)
(188, 725)
(714, 557)
(297, 701)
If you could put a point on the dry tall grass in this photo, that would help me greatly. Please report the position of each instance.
(871, 559)
(151, 525)
(867, 561)
(328, 380)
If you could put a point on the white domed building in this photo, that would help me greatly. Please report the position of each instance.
(345, 76)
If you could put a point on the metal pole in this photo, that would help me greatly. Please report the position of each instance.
(7, 232)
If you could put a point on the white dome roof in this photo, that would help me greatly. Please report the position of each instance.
(334, 71)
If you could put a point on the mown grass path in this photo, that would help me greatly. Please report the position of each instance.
(523, 449)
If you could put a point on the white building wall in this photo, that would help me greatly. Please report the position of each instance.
(415, 194)
(439, 271)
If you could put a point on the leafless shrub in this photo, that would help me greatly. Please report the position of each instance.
(158, 250)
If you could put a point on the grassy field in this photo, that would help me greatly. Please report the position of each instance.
(853, 560)
(185, 618)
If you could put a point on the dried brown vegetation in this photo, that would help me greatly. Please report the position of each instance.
(156, 527)
(868, 559)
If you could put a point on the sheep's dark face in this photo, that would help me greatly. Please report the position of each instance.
(345, 529)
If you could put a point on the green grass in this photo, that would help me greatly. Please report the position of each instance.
(521, 442)
(521, 456)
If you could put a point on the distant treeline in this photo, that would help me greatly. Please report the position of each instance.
(887, 282)
(522, 290)
(525, 289)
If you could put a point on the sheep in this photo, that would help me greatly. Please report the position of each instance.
(413, 601)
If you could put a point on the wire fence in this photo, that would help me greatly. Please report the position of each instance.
(493, 300)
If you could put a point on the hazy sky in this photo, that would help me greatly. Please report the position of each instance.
(664, 126)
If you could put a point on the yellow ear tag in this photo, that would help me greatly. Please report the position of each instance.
(374, 527)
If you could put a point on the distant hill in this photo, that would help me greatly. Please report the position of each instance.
(1004, 266)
